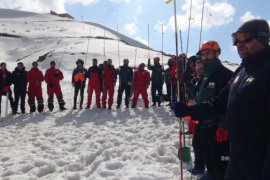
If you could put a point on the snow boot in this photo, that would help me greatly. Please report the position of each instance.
(87, 107)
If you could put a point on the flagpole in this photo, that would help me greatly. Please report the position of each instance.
(148, 35)
(189, 19)
(118, 49)
(201, 25)
(162, 34)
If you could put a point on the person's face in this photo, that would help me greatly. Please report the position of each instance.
(94, 63)
(199, 69)
(52, 65)
(191, 65)
(109, 61)
(208, 55)
(35, 65)
(3, 67)
(20, 66)
(80, 65)
(125, 62)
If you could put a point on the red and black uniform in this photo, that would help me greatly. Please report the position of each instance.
(19, 81)
(35, 78)
(78, 81)
(5, 83)
(94, 74)
(141, 83)
(53, 76)
(109, 79)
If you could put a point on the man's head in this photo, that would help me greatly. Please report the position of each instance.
(156, 60)
(79, 63)
(94, 62)
(141, 66)
(191, 62)
(20, 66)
(35, 64)
(251, 37)
(125, 62)
(199, 68)
(3, 66)
(209, 51)
(170, 62)
(109, 61)
(52, 64)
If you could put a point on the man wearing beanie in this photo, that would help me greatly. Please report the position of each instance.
(246, 103)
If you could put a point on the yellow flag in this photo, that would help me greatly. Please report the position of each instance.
(168, 1)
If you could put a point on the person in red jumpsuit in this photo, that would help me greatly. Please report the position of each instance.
(53, 76)
(109, 79)
(35, 78)
(94, 84)
(141, 83)
(5, 83)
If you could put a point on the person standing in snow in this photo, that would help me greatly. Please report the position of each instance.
(141, 83)
(19, 80)
(53, 76)
(94, 74)
(109, 79)
(168, 80)
(214, 135)
(125, 82)
(156, 80)
(101, 66)
(173, 80)
(5, 83)
(246, 104)
(78, 82)
(35, 78)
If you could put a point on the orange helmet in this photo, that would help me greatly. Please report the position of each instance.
(212, 45)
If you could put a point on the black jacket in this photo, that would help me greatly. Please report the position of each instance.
(247, 105)
(19, 80)
(157, 74)
(77, 71)
(125, 74)
(7, 81)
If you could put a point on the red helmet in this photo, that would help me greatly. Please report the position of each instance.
(212, 45)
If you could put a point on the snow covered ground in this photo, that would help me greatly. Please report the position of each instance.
(122, 144)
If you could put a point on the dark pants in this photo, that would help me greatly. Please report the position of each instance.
(10, 98)
(78, 87)
(215, 154)
(156, 87)
(168, 88)
(199, 162)
(19, 95)
(121, 89)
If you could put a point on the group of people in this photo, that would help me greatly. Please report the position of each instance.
(102, 79)
(232, 110)
(34, 78)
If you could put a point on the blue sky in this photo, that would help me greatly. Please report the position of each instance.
(222, 17)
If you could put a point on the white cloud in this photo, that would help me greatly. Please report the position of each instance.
(131, 28)
(158, 26)
(140, 39)
(120, 1)
(248, 16)
(216, 14)
(139, 9)
(42, 6)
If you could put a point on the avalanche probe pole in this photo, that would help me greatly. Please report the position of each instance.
(178, 97)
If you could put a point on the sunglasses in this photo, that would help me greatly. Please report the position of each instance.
(241, 37)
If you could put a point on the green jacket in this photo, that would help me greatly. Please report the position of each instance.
(216, 78)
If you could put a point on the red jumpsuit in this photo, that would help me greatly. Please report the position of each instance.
(53, 77)
(109, 79)
(94, 84)
(35, 78)
(141, 82)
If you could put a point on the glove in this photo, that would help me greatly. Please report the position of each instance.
(56, 75)
(50, 85)
(221, 135)
(5, 89)
(181, 109)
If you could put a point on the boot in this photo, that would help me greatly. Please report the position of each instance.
(146, 106)
(87, 107)
(154, 104)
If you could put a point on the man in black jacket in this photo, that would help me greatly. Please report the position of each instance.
(5, 83)
(20, 84)
(157, 80)
(246, 103)
(125, 82)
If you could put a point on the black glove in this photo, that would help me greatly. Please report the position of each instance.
(56, 75)
(181, 109)
(50, 85)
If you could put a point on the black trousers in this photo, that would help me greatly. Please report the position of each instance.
(199, 163)
(10, 98)
(19, 95)
(121, 89)
(154, 88)
(216, 154)
(78, 88)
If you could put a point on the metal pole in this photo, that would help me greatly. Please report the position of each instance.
(189, 19)
(118, 49)
(148, 34)
(162, 36)
(181, 42)
(104, 47)
(87, 47)
(62, 56)
(201, 25)
(135, 57)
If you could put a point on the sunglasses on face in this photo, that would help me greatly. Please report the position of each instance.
(241, 37)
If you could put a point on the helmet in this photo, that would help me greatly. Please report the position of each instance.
(212, 45)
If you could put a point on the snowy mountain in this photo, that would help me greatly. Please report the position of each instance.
(122, 144)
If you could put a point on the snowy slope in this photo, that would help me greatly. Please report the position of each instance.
(124, 144)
